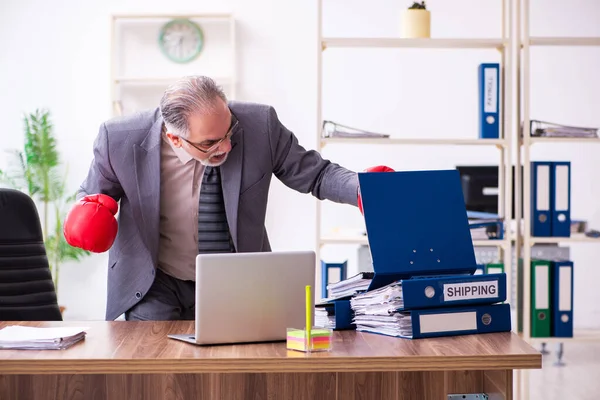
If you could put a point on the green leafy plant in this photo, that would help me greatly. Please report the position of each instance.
(37, 171)
(417, 6)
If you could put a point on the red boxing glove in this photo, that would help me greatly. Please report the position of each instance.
(91, 225)
(378, 168)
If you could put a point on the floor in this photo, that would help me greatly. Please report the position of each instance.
(578, 379)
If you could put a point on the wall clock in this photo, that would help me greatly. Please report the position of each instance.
(181, 40)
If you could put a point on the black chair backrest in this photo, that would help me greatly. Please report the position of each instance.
(26, 288)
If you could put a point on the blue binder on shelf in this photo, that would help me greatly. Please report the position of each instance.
(562, 298)
(561, 202)
(326, 268)
(453, 291)
(541, 198)
(416, 224)
(480, 269)
(489, 100)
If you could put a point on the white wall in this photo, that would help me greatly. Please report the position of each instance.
(59, 59)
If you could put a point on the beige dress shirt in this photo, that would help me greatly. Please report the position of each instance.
(181, 178)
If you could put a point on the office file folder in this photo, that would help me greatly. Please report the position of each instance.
(416, 224)
(332, 273)
(541, 199)
(431, 292)
(561, 204)
(450, 321)
(335, 314)
(489, 100)
(540, 298)
(562, 298)
(494, 268)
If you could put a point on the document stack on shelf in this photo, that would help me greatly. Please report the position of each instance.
(335, 130)
(38, 338)
(424, 282)
(485, 226)
(549, 129)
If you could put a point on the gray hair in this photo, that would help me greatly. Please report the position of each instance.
(188, 95)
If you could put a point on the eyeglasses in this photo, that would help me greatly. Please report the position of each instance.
(209, 148)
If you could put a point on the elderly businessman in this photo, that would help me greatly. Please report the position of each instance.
(192, 176)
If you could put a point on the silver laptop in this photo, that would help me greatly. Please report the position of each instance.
(250, 297)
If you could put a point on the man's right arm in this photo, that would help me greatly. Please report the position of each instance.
(90, 224)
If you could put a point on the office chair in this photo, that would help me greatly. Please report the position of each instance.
(27, 292)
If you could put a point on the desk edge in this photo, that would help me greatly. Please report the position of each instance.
(268, 365)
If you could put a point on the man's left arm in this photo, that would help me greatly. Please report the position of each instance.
(305, 170)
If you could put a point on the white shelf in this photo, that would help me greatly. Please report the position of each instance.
(503, 44)
(523, 159)
(575, 238)
(344, 240)
(578, 336)
(161, 80)
(564, 41)
(432, 43)
(152, 17)
(534, 140)
(139, 72)
(363, 240)
(416, 141)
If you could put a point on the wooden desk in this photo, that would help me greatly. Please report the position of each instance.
(136, 360)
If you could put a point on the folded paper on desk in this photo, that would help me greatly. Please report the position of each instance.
(36, 338)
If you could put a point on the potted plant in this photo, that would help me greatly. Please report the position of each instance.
(37, 171)
(416, 21)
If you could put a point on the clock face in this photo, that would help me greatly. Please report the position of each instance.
(181, 40)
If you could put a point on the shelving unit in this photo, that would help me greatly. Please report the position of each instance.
(504, 144)
(523, 156)
(140, 72)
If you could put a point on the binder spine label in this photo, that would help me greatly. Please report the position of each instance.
(542, 291)
(565, 285)
(543, 188)
(448, 322)
(561, 189)
(470, 290)
(490, 104)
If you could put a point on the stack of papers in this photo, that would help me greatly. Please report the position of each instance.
(324, 317)
(549, 129)
(34, 338)
(377, 311)
(335, 130)
(351, 286)
(399, 324)
(383, 301)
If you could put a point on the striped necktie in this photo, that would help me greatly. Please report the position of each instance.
(213, 230)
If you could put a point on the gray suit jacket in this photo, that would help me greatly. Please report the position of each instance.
(126, 166)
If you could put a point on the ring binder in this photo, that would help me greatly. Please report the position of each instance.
(424, 282)
(431, 235)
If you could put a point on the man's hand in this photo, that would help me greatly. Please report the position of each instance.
(91, 224)
(378, 168)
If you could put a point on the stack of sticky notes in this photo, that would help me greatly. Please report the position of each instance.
(297, 339)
